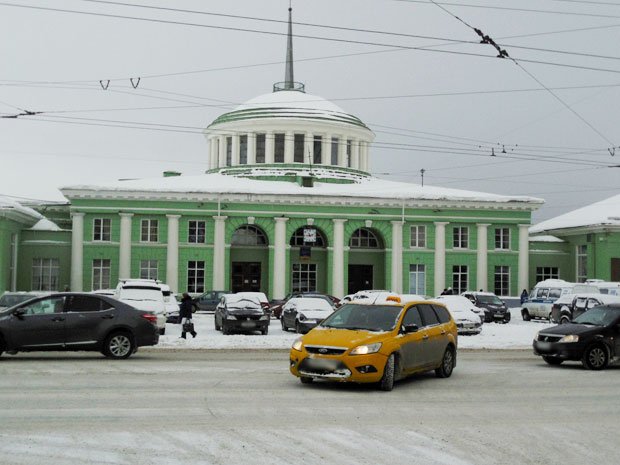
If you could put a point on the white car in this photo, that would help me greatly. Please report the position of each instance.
(170, 303)
(467, 321)
(144, 294)
(304, 313)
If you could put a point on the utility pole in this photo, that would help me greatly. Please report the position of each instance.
(422, 171)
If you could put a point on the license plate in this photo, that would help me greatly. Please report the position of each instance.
(247, 324)
(322, 364)
(543, 345)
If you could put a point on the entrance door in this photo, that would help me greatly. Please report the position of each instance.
(360, 278)
(246, 276)
(615, 269)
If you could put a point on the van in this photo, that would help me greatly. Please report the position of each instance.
(605, 287)
(144, 294)
(546, 292)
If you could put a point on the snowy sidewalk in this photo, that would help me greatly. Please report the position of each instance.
(517, 334)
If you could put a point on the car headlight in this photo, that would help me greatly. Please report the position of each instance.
(297, 345)
(264, 317)
(366, 349)
(231, 317)
(570, 338)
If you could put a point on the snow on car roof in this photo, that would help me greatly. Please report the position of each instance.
(255, 295)
(309, 303)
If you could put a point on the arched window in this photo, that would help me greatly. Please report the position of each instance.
(364, 239)
(299, 237)
(248, 235)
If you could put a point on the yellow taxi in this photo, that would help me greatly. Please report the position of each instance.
(377, 343)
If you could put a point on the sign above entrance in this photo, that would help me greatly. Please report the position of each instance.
(305, 253)
(309, 235)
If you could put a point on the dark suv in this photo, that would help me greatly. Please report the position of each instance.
(593, 337)
(77, 321)
(494, 308)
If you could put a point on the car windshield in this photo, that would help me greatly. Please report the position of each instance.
(10, 300)
(141, 293)
(598, 316)
(364, 317)
(244, 304)
(489, 299)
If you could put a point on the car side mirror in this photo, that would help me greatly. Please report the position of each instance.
(411, 328)
(19, 313)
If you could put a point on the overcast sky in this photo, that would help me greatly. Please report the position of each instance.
(444, 108)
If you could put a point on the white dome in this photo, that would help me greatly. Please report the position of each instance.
(291, 99)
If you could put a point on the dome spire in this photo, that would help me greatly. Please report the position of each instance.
(289, 79)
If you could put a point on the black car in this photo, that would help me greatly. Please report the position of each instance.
(207, 301)
(77, 321)
(240, 314)
(494, 308)
(593, 337)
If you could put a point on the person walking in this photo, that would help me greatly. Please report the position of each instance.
(185, 314)
(524, 296)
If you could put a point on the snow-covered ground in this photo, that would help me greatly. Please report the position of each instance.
(517, 334)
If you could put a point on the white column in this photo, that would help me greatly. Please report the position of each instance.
(14, 238)
(364, 156)
(342, 151)
(309, 148)
(77, 251)
(269, 148)
(235, 150)
(219, 253)
(289, 148)
(482, 272)
(440, 256)
(172, 253)
(355, 154)
(251, 148)
(124, 254)
(524, 254)
(222, 151)
(397, 257)
(279, 259)
(326, 149)
(211, 152)
(338, 259)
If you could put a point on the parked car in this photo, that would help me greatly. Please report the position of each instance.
(545, 293)
(260, 296)
(605, 287)
(570, 306)
(467, 320)
(276, 310)
(495, 310)
(171, 304)
(238, 313)
(371, 343)
(593, 338)
(207, 301)
(9, 299)
(75, 322)
(144, 294)
(305, 313)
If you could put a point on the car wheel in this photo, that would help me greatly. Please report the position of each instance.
(552, 360)
(119, 345)
(162, 331)
(526, 315)
(225, 329)
(265, 331)
(305, 380)
(564, 320)
(2, 346)
(284, 328)
(297, 327)
(595, 357)
(387, 380)
(447, 364)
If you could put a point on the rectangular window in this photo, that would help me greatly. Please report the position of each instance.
(547, 272)
(460, 235)
(298, 152)
(279, 147)
(502, 239)
(502, 280)
(582, 263)
(228, 151)
(349, 149)
(197, 232)
(459, 279)
(418, 236)
(148, 269)
(318, 149)
(417, 279)
(196, 276)
(149, 230)
(243, 150)
(334, 150)
(260, 148)
(45, 274)
(101, 229)
(304, 277)
(101, 273)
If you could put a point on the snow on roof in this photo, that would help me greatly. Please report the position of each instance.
(603, 213)
(45, 225)
(309, 303)
(7, 203)
(290, 99)
(545, 239)
(370, 187)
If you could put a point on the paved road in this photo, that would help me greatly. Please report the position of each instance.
(229, 407)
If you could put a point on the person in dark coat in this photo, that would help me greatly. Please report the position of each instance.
(524, 296)
(185, 313)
